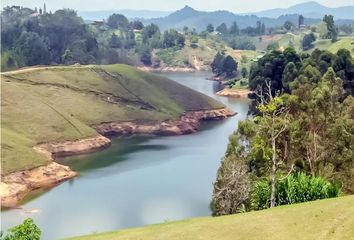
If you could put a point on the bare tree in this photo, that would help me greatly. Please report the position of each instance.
(274, 122)
(232, 187)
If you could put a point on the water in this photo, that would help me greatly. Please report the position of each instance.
(138, 180)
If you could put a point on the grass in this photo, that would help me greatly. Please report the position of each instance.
(343, 42)
(55, 104)
(325, 219)
(204, 53)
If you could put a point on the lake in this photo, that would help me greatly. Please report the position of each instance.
(138, 180)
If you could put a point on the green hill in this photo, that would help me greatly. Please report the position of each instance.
(55, 104)
(325, 219)
(343, 42)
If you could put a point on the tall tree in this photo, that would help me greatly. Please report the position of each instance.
(210, 28)
(234, 30)
(272, 125)
(301, 20)
(222, 29)
(332, 32)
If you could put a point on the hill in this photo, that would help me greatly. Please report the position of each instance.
(310, 9)
(327, 44)
(325, 219)
(57, 104)
(131, 14)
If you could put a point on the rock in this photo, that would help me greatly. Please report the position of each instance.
(186, 124)
(69, 148)
(15, 186)
(235, 93)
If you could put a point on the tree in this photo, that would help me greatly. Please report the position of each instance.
(272, 124)
(229, 66)
(180, 41)
(145, 55)
(232, 187)
(25, 231)
(263, 28)
(332, 32)
(301, 20)
(210, 28)
(31, 49)
(234, 30)
(217, 64)
(288, 25)
(307, 41)
(244, 72)
(149, 32)
(115, 41)
(222, 29)
(138, 25)
(118, 21)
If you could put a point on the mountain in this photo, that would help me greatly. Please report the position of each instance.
(309, 9)
(131, 14)
(192, 18)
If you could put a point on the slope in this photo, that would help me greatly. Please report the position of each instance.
(325, 219)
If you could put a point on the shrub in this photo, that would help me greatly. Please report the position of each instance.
(296, 188)
(231, 189)
(28, 230)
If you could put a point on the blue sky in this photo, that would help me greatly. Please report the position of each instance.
(237, 6)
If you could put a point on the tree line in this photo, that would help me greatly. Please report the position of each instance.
(29, 38)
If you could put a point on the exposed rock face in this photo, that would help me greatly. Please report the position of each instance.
(236, 93)
(15, 186)
(70, 148)
(166, 69)
(186, 124)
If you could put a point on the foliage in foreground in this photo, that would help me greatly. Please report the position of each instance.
(28, 230)
(296, 188)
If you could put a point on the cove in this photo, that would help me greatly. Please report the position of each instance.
(138, 180)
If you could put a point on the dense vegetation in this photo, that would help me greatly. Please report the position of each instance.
(55, 104)
(31, 38)
(303, 123)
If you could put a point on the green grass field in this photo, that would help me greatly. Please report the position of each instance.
(343, 42)
(55, 104)
(325, 219)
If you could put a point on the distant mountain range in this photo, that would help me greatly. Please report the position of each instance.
(187, 16)
(309, 9)
(192, 18)
(131, 14)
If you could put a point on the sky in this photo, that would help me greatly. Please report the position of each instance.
(236, 6)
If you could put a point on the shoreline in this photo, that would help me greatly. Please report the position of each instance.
(169, 69)
(234, 93)
(14, 187)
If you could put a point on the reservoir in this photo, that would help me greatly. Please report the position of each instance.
(139, 180)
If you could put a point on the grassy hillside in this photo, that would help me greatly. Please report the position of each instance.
(344, 42)
(55, 104)
(325, 219)
(202, 54)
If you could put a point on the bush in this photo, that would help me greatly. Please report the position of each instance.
(231, 189)
(25, 231)
(296, 188)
